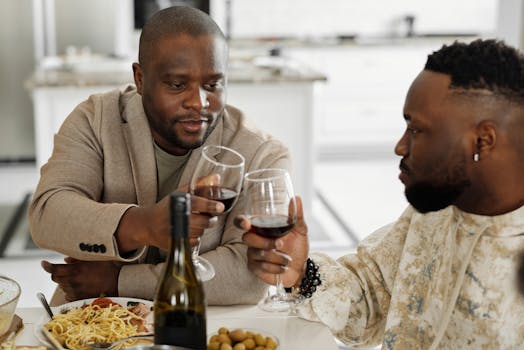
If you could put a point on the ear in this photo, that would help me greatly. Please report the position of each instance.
(486, 137)
(138, 75)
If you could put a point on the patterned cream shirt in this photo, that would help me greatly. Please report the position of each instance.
(442, 280)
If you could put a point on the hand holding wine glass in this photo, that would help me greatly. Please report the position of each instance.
(217, 176)
(272, 211)
(286, 255)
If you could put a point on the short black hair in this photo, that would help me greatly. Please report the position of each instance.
(481, 64)
(173, 21)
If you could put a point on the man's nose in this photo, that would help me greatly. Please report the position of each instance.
(402, 147)
(197, 99)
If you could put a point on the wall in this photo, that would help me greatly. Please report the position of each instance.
(16, 64)
(313, 18)
(510, 22)
(272, 18)
(102, 25)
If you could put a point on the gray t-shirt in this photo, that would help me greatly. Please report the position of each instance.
(169, 170)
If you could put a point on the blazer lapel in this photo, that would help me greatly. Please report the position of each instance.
(141, 152)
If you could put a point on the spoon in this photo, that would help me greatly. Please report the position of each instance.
(45, 304)
(108, 346)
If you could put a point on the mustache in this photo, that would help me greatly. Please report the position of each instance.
(403, 166)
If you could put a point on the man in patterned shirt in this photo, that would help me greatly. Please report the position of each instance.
(443, 276)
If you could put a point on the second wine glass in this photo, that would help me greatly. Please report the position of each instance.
(272, 211)
(217, 176)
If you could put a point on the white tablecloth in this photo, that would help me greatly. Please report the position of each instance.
(294, 333)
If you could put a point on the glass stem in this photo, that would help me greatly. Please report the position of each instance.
(195, 251)
(280, 292)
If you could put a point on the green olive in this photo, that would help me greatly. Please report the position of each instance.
(260, 340)
(249, 343)
(237, 335)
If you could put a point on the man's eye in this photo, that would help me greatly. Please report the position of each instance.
(176, 85)
(413, 131)
(213, 85)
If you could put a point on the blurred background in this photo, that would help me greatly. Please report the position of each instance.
(327, 77)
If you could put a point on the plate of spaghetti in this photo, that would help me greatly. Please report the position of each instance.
(96, 320)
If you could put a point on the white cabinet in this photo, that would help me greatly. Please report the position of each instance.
(286, 110)
(51, 106)
(361, 104)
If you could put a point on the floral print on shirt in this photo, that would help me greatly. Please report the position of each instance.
(441, 280)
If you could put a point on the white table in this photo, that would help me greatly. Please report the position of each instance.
(294, 333)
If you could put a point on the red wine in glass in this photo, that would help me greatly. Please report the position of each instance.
(217, 176)
(221, 194)
(272, 211)
(270, 226)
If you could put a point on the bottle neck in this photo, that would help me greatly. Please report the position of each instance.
(179, 245)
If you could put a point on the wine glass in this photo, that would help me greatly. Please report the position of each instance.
(217, 176)
(271, 209)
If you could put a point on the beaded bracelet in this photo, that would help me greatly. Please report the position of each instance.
(311, 280)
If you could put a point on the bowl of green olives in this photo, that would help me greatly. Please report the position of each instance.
(242, 339)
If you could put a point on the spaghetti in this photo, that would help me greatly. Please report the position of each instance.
(96, 322)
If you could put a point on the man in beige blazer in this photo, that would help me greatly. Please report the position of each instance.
(101, 199)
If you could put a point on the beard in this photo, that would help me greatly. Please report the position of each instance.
(176, 141)
(426, 196)
(168, 133)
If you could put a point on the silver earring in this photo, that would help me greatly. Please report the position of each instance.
(476, 157)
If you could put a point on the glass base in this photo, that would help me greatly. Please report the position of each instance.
(279, 302)
(205, 271)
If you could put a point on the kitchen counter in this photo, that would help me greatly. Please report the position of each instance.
(103, 71)
(250, 61)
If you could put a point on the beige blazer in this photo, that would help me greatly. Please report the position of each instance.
(103, 162)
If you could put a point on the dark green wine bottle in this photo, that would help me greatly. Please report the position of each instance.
(179, 307)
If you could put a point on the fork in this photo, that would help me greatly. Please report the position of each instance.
(45, 304)
(109, 346)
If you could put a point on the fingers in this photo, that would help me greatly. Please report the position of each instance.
(263, 269)
(202, 221)
(46, 265)
(85, 279)
(60, 273)
(208, 180)
(300, 224)
(267, 261)
(194, 241)
(199, 223)
(253, 240)
(57, 269)
(242, 222)
(204, 205)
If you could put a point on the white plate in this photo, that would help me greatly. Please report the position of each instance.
(62, 308)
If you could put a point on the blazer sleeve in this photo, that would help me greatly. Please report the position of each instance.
(67, 213)
(233, 282)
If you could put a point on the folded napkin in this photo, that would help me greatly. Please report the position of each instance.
(7, 340)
